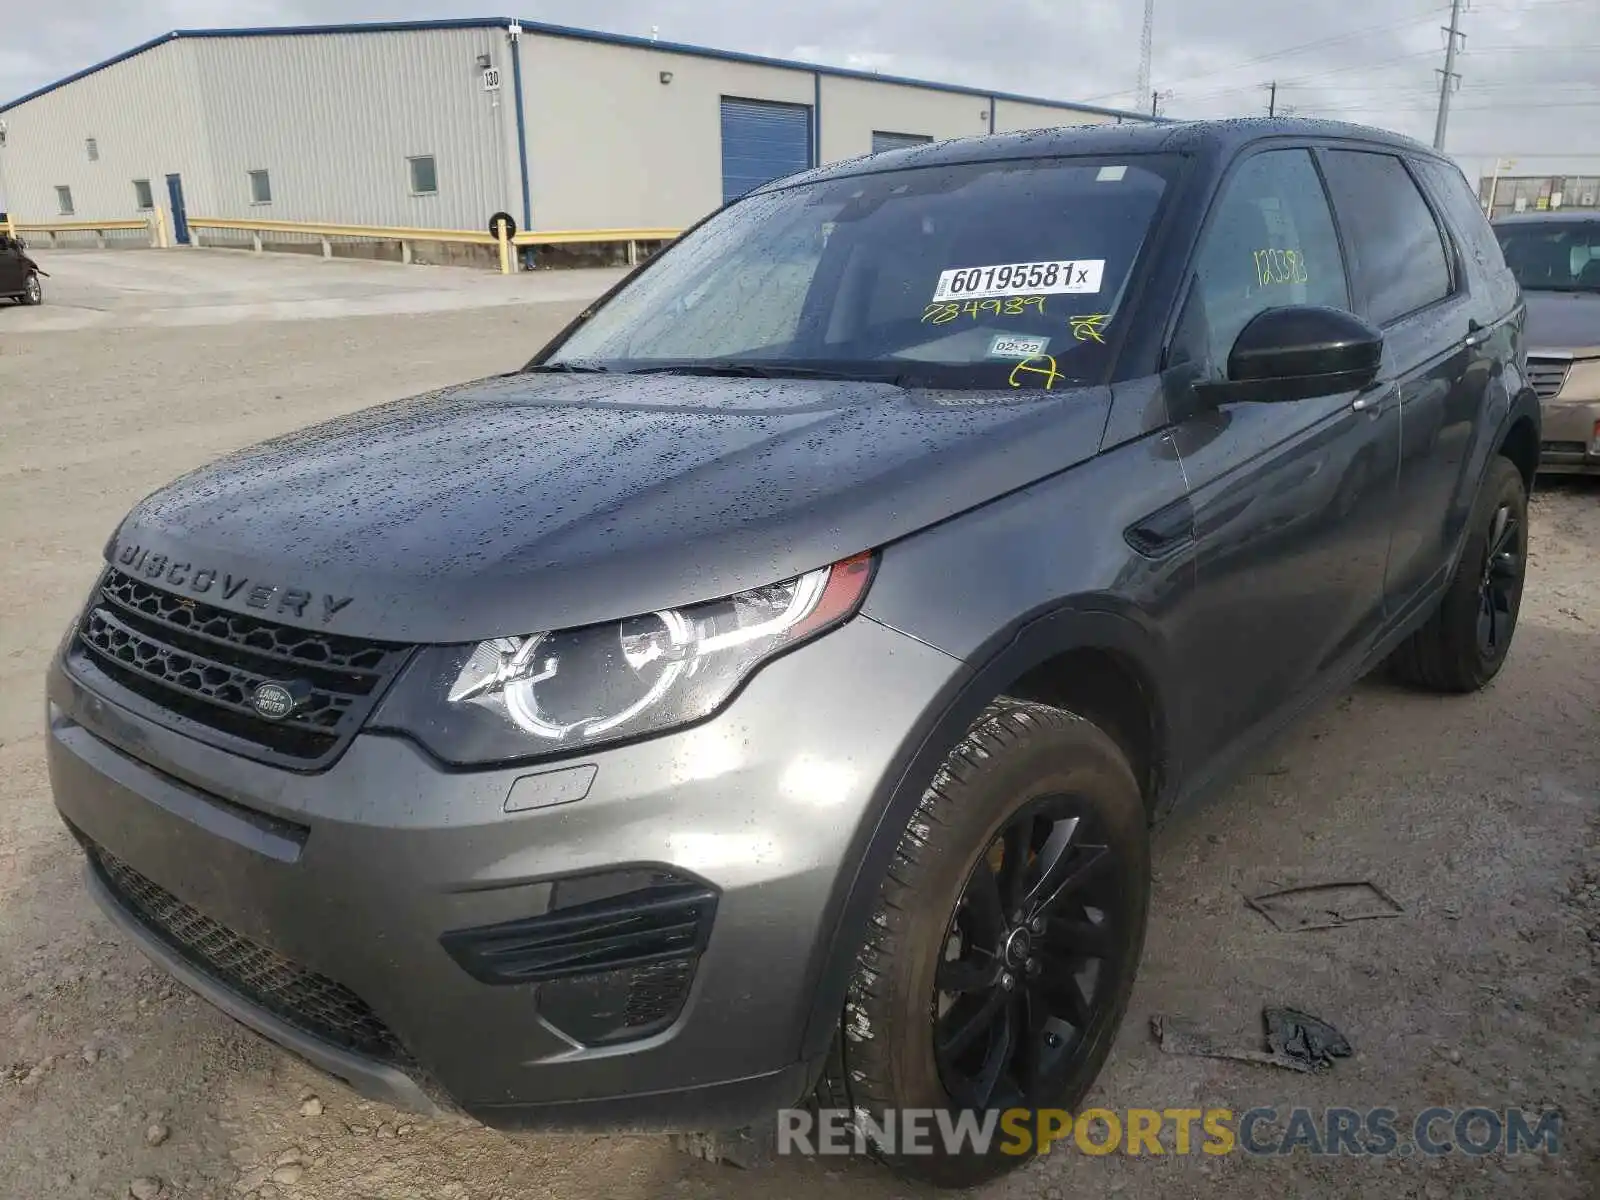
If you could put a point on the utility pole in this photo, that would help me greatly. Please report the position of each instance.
(1272, 99)
(1448, 77)
(1146, 43)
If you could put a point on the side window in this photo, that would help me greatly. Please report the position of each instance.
(1399, 252)
(1270, 243)
(1455, 196)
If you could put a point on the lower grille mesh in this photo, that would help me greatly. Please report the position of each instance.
(310, 1002)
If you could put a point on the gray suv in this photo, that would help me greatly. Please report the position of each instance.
(769, 689)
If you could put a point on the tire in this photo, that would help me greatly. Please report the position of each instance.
(1465, 642)
(32, 293)
(1017, 777)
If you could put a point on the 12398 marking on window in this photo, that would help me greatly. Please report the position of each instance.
(1068, 277)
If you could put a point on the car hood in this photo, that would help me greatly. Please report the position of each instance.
(1564, 322)
(529, 502)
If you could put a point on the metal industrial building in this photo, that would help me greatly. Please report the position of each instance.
(439, 124)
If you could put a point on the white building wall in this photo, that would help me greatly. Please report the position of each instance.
(1013, 115)
(853, 108)
(612, 147)
(333, 118)
(142, 115)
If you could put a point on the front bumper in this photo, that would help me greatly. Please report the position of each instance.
(356, 873)
(1570, 437)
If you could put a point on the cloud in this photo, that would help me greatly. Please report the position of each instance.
(1528, 88)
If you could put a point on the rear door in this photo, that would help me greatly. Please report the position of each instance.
(1291, 500)
(1410, 282)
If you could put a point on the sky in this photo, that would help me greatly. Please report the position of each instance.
(1529, 90)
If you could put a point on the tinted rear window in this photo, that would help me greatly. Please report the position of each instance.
(1400, 255)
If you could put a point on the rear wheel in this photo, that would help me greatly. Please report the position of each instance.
(1465, 642)
(32, 293)
(1007, 934)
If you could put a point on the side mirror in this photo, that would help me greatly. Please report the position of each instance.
(1296, 353)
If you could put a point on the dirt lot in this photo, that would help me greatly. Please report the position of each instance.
(1481, 816)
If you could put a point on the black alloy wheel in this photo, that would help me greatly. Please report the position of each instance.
(1500, 589)
(1031, 959)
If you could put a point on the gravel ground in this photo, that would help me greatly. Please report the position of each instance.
(1480, 815)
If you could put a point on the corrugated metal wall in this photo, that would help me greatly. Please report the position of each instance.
(334, 118)
(618, 136)
(611, 146)
(853, 108)
(1013, 115)
(145, 123)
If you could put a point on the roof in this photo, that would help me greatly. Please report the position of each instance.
(567, 31)
(1221, 138)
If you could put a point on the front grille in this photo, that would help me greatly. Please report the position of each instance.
(1548, 375)
(201, 664)
(1577, 448)
(312, 1003)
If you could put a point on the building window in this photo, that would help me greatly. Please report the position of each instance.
(142, 197)
(64, 200)
(93, 148)
(424, 176)
(260, 188)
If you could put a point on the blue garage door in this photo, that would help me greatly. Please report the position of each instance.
(896, 141)
(762, 141)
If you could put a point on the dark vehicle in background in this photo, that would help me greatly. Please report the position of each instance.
(1556, 258)
(19, 274)
(767, 692)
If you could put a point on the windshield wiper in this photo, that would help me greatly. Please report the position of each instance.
(745, 369)
(566, 368)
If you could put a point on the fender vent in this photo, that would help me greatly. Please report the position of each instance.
(662, 921)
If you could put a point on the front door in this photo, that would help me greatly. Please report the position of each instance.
(1292, 501)
(180, 215)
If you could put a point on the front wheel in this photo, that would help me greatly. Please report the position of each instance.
(32, 293)
(1007, 935)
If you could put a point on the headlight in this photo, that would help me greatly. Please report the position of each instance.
(1583, 381)
(516, 697)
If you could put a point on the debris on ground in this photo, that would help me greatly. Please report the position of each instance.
(1304, 1038)
(1325, 905)
(1295, 1041)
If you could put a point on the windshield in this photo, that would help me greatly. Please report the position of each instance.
(983, 275)
(1559, 256)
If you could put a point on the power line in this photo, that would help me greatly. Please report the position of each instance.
(1289, 81)
(1365, 31)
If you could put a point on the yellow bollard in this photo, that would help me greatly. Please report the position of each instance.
(505, 247)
